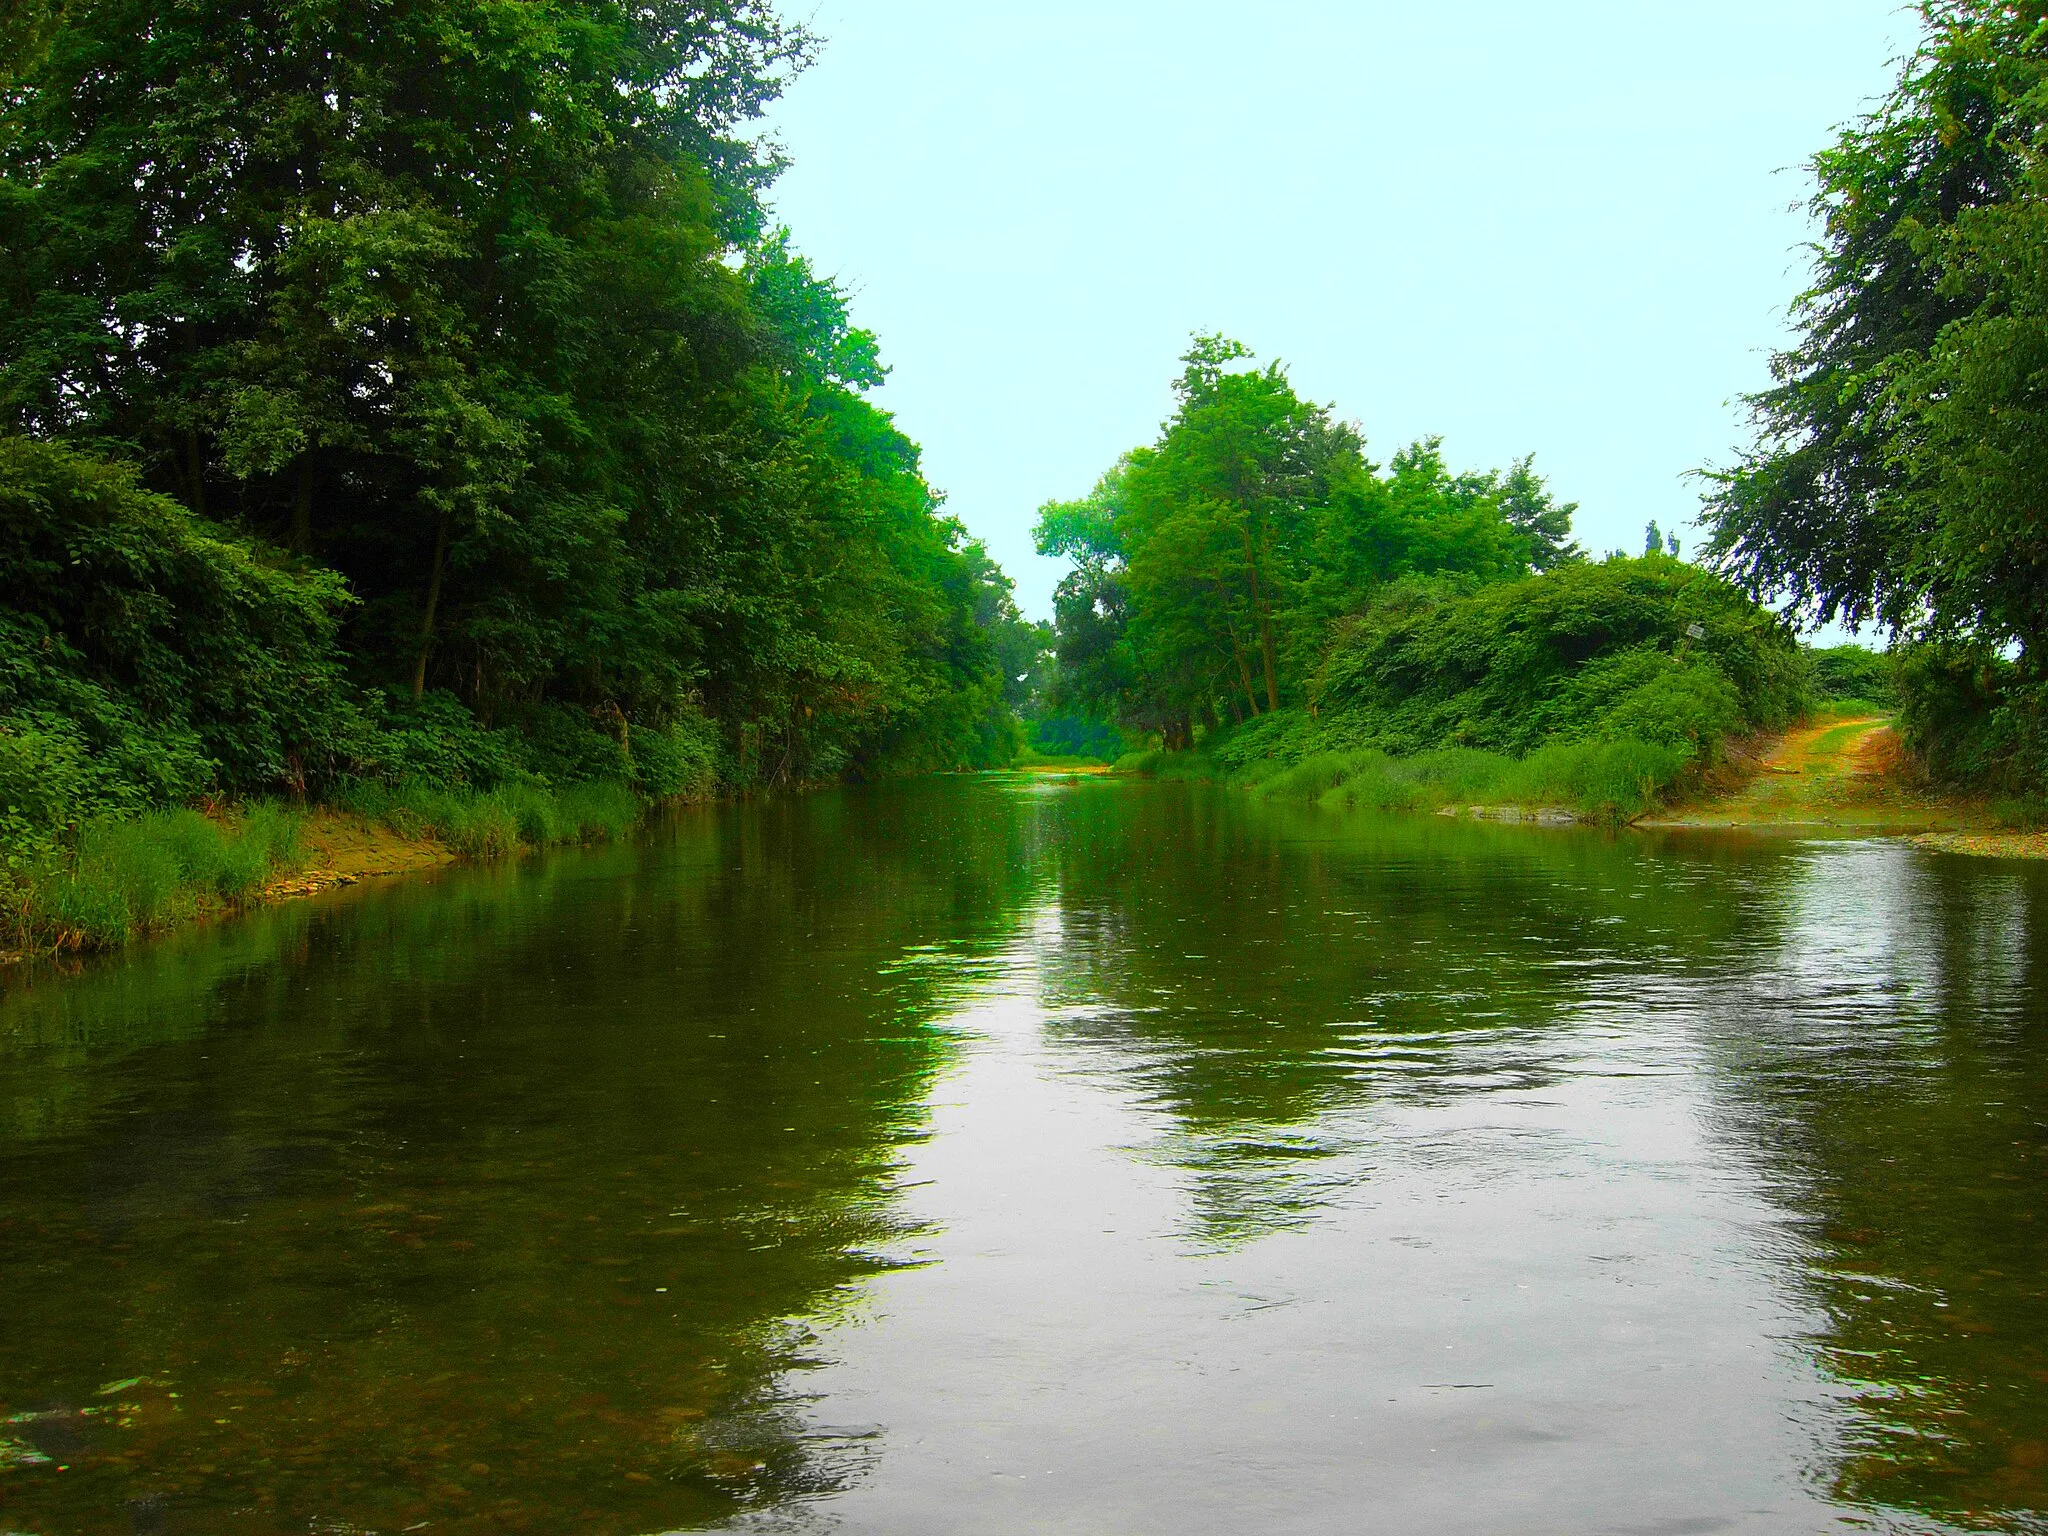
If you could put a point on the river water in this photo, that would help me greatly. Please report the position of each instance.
(1014, 1155)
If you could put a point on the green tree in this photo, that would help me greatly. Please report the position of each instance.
(1090, 605)
(474, 303)
(1211, 568)
(1899, 473)
(1854, 501)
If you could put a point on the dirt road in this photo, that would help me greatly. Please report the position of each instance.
(1837, 773)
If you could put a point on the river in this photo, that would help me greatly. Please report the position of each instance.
(1002, 1154)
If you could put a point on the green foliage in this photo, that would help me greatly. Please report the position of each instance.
(1209, 568)
(1901, 460)
(497, 822)
(470, 309)
(1972, 716)
(1610, 780)
(1853, 672)
(147, 655)
(1597, 687)
(1077, 736)
(130, 875)
(1586, 652)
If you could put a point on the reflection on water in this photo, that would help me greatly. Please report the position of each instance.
(992, 1155)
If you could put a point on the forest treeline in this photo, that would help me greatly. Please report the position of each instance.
(423, 402)
(423, 395)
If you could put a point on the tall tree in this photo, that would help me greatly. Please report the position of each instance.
(1856, 501)
(1210, 567)
(473, 300)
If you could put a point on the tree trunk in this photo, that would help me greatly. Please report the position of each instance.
(1259, 612)
(195, 471)
(1244, 669)
(419, 671)
(302, 509)
(1272, 674)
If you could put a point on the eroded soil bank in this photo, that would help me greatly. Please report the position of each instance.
(343, 849)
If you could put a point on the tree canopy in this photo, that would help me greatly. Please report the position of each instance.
(475, 303)
(1900, 469)
(1210, 566)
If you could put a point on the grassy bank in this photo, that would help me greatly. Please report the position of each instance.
(1605, 781)
(120, 878)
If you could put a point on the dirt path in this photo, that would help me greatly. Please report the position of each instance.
(1837, 773)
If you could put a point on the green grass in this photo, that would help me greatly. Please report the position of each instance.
(499, 821)
(1850, 709)
(1608, 781)
(127, 876)
(121, 877)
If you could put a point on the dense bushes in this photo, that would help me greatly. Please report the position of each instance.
(1594, 686)
(1853, 674)
(502, 340)
(1067, 735)
(1646, 649)
(1975, 718)
(147, 656)
(468, 436)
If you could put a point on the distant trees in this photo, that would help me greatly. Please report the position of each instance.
(1209, 566)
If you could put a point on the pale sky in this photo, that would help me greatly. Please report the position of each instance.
(1566, 228)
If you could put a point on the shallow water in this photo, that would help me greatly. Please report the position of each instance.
(1003, 1155)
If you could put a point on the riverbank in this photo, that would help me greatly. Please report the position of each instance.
(1842, 771)
(345, 849)
(1845, 771)
(126, 879)
(1851, 773)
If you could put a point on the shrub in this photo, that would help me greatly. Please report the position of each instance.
(1974, 718)
(147, 654)
(1853, 672)
(678, 760)
(1647, 648)
(1077, 736)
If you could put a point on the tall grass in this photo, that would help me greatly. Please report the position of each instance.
(122, 877)
(127, 876)
(499, 821)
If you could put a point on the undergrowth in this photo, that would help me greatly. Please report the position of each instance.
(1606, 781)
(498, 821)
(121, 877)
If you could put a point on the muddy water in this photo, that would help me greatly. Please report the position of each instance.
(993, 1155)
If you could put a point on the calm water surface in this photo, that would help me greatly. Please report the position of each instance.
(990, 1155)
